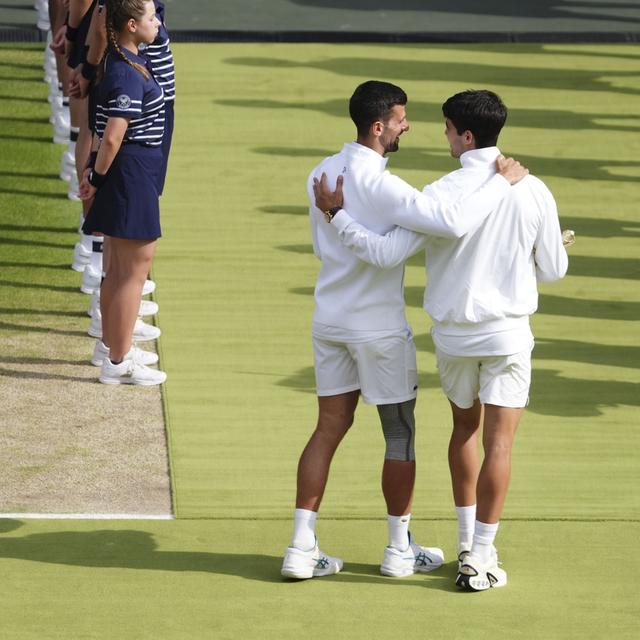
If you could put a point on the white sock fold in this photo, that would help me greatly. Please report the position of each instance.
(483, 538)
(399, 531)
(304, 523)
(466, 524)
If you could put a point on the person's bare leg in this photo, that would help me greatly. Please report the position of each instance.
(499, 429)
(80, 109)
(335, 416)
(464, 463)
(106, 292)
(129, 264)
(398, 479)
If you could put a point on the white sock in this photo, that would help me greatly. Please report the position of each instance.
(483, 538)
(86, 241)
(304, 523)
(96, 253)
(399, 531)
(466, 524)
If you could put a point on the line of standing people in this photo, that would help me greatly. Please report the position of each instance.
(111, 71)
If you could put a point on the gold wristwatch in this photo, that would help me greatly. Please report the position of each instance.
(330, 213)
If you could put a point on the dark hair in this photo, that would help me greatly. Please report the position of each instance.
(373, 101)
(481, 112)
(118, 14)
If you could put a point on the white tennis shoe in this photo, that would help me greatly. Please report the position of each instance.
(101, 351)
(415, 559)
(301, 565)
(130, 372)
(476, 575)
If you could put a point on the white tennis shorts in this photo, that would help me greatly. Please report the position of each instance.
(384, 369)
(499, 380)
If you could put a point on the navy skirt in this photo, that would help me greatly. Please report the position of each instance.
(126, 205)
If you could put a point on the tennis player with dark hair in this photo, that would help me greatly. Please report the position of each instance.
(480, 293)
(361, 340)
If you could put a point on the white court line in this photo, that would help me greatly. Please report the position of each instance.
(84, 516)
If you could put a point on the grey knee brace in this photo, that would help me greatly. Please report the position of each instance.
(399, 428)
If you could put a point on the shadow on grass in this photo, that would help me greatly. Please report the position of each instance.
(26, 227)
(37, 194)
(35, 375)
(44, 361)
(554, 305)
(44, 139)
(10, 326)
(34, 285)
(34, 265)
(286, 209)
(551, 393)
(431, 112)
(567, 351)
(19, 242)
(436, 160)
(25, 174)
(24, 311)
(131, 549)
(464, 72)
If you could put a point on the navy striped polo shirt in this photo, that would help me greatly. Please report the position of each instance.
(159, 55)
(125, 92)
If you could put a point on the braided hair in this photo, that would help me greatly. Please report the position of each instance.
(118, 13)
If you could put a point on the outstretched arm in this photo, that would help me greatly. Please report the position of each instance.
(384, 252)
(423, 212)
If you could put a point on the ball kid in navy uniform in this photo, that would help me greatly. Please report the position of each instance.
(124, 182)
(162, 66)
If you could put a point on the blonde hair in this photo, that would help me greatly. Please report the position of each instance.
(119, 12)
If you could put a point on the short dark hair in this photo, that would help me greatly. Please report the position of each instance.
(479, 111)
(373, 101)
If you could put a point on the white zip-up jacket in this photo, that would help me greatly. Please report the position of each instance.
(484, 283)
(357, 296)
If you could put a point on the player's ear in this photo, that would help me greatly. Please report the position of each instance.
(377, 128)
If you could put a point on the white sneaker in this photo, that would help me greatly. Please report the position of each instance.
(101, 351)
(61, 126)
(302, 565)
(399, 564)
(74, 186)
(149, 287)
(141, 330)
(90, 281)
(130, 372)
(475, 575)
(81, 258)
(67, 166)
(463, 550)
(148, 308)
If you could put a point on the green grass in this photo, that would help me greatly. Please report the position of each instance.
(235, 273)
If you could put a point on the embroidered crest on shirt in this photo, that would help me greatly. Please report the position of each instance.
(123, 101)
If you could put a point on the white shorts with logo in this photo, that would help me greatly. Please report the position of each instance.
(384, 369)
(499, 380)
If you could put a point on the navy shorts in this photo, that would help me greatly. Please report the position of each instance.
(126, 205)
(166, 143)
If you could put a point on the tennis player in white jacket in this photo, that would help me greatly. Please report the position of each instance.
(480, 293)
(362, 343)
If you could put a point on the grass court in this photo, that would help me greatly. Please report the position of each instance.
(235, 274)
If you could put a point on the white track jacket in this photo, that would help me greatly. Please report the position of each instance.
(352, 294)
(481, 287)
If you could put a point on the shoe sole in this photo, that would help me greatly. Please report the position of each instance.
(395, 574)
(478, 583)
(139, 383)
